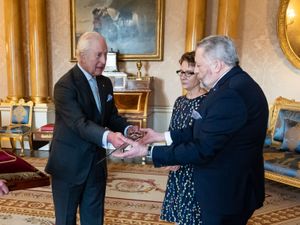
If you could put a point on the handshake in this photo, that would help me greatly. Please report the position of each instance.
(134, 134)
(137, 140)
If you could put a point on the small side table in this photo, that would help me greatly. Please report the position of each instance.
(41, 138)
(133, 101)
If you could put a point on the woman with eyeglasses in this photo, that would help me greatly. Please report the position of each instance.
(179, 205)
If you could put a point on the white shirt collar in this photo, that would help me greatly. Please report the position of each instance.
(86, 74)
(221, 77)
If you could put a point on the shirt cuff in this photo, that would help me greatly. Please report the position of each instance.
(150, 150)
(168, 138)
(104, 139)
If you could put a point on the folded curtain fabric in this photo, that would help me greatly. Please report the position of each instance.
(19, 174)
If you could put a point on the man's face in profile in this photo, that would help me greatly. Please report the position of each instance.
(202, 67)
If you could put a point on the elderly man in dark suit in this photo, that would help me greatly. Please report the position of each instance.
(226, 140)
(86, 119)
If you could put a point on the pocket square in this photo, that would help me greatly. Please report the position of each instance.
(196, 115)
(109, 98)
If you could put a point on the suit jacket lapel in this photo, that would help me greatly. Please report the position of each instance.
(84, 85)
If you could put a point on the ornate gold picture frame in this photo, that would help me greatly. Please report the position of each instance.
(133, 28)
(287, 25)
(280, 104)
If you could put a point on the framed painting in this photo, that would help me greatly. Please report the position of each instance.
(133, 28)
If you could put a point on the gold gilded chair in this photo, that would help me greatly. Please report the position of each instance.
(19, 124)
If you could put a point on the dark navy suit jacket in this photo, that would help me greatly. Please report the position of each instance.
(224, 145)
(79, 126)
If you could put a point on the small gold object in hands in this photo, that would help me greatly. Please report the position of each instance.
(135, 136)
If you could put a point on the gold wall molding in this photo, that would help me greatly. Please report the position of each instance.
(195, 23)
(228, 17)
(38, 51)
(14, 50)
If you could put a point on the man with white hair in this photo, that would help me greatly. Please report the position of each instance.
(225, 143)
(86, 119)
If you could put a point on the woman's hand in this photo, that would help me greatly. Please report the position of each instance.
(3, 188)
(151, 136)
(171, 168)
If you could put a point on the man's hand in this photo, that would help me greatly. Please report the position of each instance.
(116, 139)
(151, 136)
(3, 188)
(137, 150)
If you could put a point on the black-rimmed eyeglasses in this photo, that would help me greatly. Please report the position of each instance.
(185, 73)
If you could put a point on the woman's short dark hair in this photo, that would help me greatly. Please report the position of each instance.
(189, 57)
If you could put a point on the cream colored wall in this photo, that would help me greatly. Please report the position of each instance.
(167, 86)
(258, 47)
(260, 51)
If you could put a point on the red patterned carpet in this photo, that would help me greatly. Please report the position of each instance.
(134, 196)
(281, 206)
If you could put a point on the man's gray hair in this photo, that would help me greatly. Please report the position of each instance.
(84, 42)
(221, 48)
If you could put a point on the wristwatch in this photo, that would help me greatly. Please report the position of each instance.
(149, 153)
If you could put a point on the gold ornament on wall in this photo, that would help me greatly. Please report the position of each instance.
(139, 65)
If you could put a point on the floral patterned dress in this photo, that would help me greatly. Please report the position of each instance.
(179, 205)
